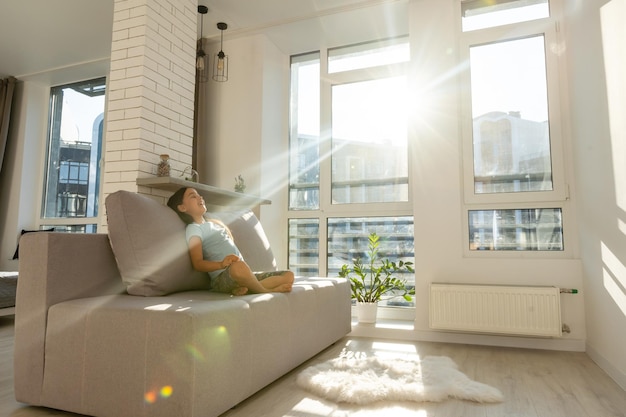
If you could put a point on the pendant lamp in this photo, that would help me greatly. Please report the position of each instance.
(220, 63)
(202, 60)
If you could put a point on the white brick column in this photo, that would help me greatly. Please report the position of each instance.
(150, 92)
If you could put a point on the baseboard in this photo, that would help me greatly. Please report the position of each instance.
(400, 330)
(618, 376)
(547, 343)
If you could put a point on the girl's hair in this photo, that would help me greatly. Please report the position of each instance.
(177, 199)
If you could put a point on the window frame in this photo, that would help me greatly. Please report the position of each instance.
(326, 208)
(557, 198)
(89, 222)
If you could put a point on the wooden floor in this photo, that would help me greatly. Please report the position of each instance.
(534, 383)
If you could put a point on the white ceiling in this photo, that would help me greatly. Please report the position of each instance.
(42, 37)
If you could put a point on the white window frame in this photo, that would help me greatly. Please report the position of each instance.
(326, 208)
(559, 196)
(45, 222)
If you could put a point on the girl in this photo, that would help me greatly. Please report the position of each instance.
(212, 250)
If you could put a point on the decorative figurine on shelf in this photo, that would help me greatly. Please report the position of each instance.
(163, 169)
(194, 176)
(240, 185)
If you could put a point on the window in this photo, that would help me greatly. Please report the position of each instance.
(518, 229)
(349, 157)
(70, 201)
(304, 246)
(304, 178)
(481, 14)
(511, 137)
(348, 240)
(369, 141)
(368, 55)
(514, 183)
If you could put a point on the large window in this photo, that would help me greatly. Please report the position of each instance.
(511, 137)
(304, 179)
(349, 159)
(70, 201)
(481, 14)
(514, 182)
(369, 141)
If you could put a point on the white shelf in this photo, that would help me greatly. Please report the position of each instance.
(213, 196)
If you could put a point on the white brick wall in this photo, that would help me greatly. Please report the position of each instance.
(150, 95)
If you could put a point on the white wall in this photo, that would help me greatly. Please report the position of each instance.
(438, 198)
(595, 36)
(247, 129)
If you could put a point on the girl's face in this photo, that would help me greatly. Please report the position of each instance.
(193, 204)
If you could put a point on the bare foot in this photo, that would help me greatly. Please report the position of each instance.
(282, 288)
(240, 291)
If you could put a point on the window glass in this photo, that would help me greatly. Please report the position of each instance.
(349, 154)
(348, 240)
(516, 229)
(511, 136)
(304, 247)
(481, 14)
(305, 133)
(367, 55)
(74, 152)
(369, 141)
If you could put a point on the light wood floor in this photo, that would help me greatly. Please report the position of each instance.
(535, 383)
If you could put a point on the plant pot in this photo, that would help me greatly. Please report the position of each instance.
(366, 312)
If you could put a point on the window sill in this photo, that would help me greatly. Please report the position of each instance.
(384, 329)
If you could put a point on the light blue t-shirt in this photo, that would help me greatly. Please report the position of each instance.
(216, 242)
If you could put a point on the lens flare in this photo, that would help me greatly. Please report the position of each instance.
(195, 353)
(166, 391)
(150, 397)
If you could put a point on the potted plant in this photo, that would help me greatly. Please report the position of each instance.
(375, 281)
(240, 184)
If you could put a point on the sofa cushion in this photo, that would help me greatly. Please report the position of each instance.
(148, 241)
(250, 238)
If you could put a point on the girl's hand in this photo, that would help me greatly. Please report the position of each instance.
(228, 260)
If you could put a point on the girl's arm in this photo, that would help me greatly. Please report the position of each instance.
(201, 264)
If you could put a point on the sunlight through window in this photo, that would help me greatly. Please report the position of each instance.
(614, 275)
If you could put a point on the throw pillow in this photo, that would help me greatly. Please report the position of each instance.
(250, 238)
(148, 241)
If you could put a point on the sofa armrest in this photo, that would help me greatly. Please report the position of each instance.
(54, 267)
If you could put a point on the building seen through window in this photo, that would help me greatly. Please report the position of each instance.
(70, 201)
(361, 168)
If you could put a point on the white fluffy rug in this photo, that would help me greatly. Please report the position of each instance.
(368, 380)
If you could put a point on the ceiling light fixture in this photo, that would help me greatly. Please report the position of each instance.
(202, 60)
(220, 65)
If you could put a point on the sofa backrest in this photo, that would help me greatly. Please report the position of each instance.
(148, 241)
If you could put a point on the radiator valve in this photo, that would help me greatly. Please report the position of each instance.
(569, 291)
(565, 328)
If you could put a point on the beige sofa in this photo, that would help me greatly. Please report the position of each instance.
(84, 344)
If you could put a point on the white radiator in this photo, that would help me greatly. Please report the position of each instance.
(499, 309)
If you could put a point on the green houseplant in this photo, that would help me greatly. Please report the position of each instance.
(240, 184)
(375, 281)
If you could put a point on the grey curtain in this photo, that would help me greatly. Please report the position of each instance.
(7, 86)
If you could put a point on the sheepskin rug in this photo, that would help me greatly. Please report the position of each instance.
(368, 380)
